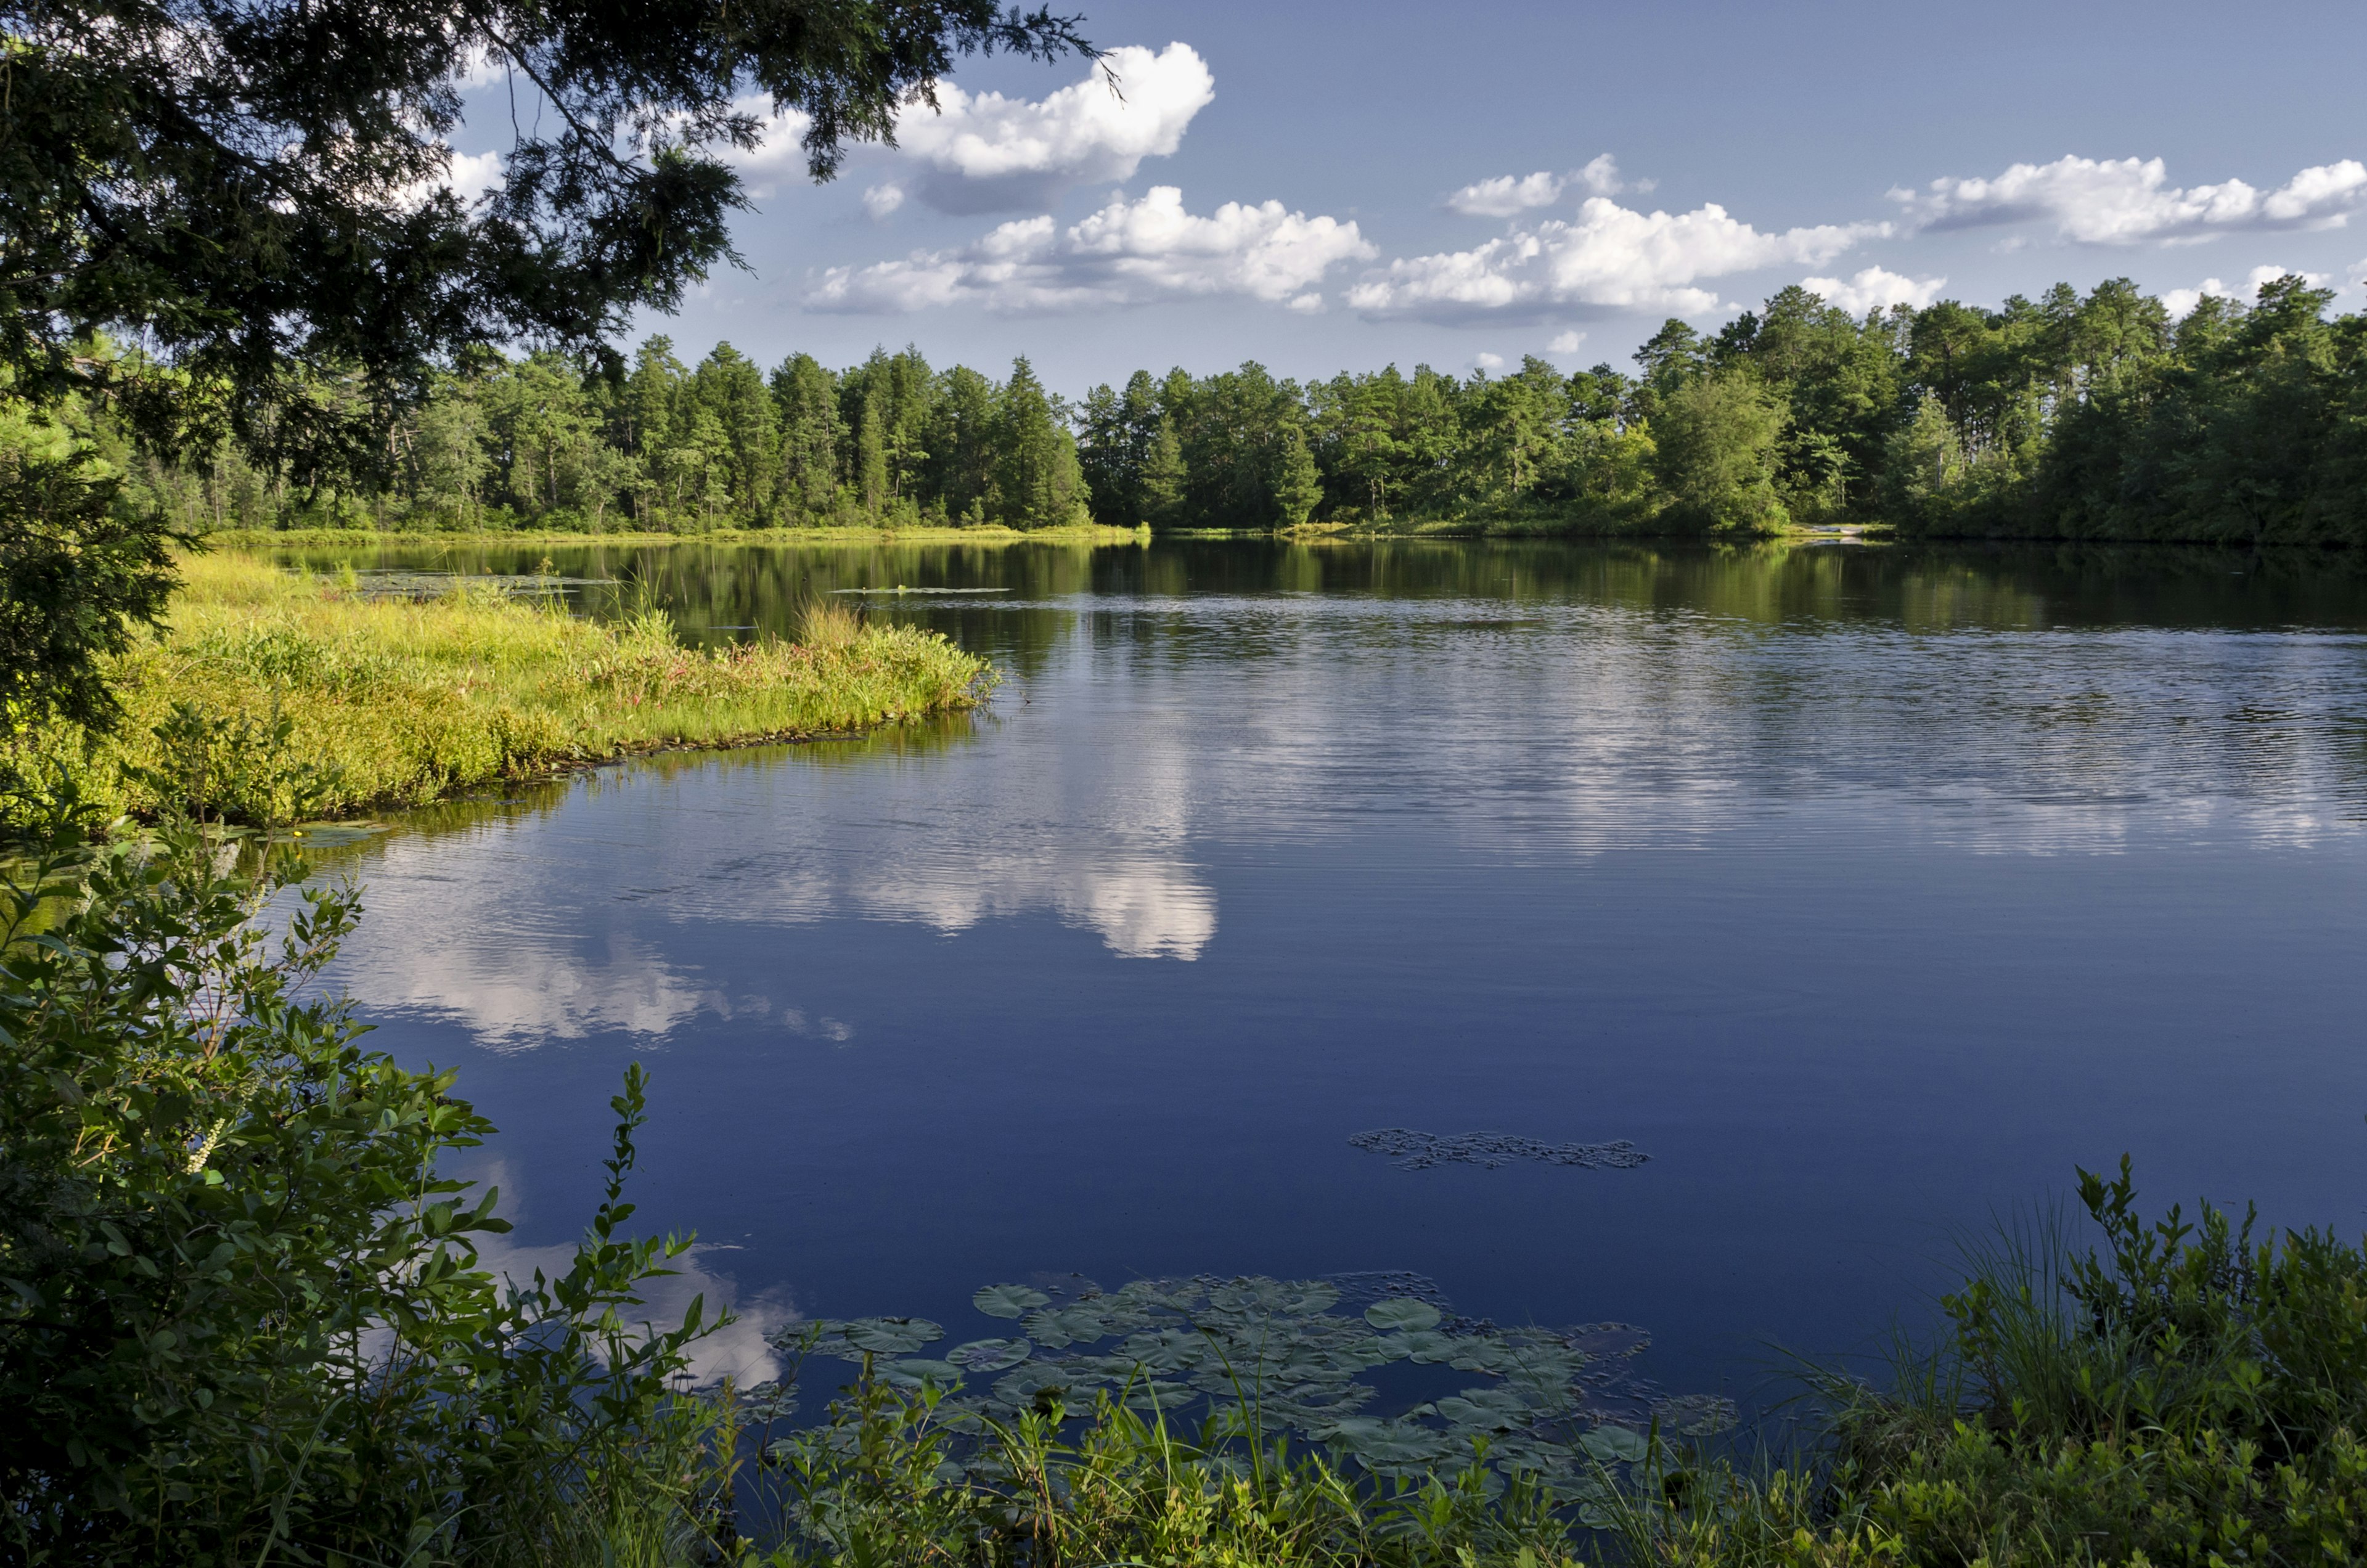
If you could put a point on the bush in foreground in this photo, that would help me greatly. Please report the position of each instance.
(242, 1319)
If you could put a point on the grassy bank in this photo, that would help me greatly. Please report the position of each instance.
(270, 695)
(985, 533)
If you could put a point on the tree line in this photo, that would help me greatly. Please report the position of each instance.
(2069, 416)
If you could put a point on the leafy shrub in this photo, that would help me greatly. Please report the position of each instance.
(241, 1317)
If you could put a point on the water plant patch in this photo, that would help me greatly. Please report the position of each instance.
(1409, 1150)
(1260, 1355)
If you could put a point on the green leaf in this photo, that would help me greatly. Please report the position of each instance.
(1616, 1445)
(911, 1373)
(1008, 1300)
(1401, 1312)
(989, 1355)
(891, 1335)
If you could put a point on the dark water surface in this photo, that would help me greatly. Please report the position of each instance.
(1866, 890)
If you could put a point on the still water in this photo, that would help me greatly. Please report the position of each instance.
(1867, 891)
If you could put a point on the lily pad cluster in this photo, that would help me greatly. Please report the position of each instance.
(1258, 1355)
(1409, 1150)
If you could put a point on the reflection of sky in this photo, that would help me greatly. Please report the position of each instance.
(1860, 930)
(1558, 731)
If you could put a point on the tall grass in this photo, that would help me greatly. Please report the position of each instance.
(270, 695)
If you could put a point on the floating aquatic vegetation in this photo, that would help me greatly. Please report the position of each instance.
(1270, 1356)
(1409, 1150)
(394, 583)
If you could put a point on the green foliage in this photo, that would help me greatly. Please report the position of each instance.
(79, 569)
(2185, 1395)
(895, 1477)
(1715, 451)
(275, 205)
(245, 1319)
(2070, 417)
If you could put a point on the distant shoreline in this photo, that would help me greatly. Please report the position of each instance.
(987, 534)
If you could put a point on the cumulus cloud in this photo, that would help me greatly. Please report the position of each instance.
(1129, 252)
(1487, 361)
(467, 176)
(1509, 195)
(1506, 195)
(1566, 342)
(1612, 258)
(2180, 302)
(481, 67)
(2130, 201)
(984, 153)
(881, 200)
(1875, 289)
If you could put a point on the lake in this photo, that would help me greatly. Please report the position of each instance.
(1866, 890)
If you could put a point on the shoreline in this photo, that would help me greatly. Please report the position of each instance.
(990, 534)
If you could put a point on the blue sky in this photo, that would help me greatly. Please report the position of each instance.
(1334, 186)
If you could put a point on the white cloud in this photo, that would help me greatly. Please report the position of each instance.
(481, 67)
(1612, 258)
(881, 200)
(1566, 342)
(2180, 302)
(467, 176)
(984, 153)
(1129, 252)
(2130, 200)
(779, 150)
(1875, 289)
(1508, 195)
(1487, 361)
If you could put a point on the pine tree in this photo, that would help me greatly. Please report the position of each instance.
(871, 457)
(1163, 478)
(1301, 490)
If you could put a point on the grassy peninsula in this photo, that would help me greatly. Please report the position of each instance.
(269, 695)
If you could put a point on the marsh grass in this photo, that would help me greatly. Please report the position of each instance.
(272, 697)
(828, 623)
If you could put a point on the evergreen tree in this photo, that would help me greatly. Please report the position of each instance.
(804, 401)
(1301, 488)
(1165, 479)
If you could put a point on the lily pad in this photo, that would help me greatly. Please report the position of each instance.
(1497, 1410)
(989, 1355)
(1060, 1327)
(1401, 1312)
(1009, 1301)
(891, 1335)
(1377, 1440)
(911, 1373)
(1424, 1346)
(1616, 1445)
